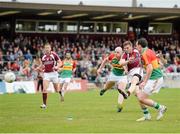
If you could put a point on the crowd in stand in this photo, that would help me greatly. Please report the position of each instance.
(19, 54)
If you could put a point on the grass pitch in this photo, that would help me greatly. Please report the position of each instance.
(85, 112)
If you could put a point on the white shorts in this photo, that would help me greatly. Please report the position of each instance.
(153, 86)
(118, 79)
(51, 76)
(64, 80)
(132, 72)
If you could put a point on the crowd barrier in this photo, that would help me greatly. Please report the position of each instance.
(172, 80)
(30, 87)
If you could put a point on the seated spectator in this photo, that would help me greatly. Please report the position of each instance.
(28, 55)
(177, 63)
(84, 76)
(25, 70)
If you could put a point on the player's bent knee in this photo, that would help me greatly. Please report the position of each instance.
(122, 85)
(139, 77)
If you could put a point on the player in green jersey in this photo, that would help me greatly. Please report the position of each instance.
(152, 81)
(117, 75)
(66, 74)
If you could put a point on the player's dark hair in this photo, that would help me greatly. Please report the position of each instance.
(127, 43)
(143, 42)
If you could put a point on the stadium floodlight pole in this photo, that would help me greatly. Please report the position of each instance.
(134, 3)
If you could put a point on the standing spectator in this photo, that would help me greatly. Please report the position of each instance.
(37, 73)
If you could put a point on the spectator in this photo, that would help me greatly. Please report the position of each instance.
(177, 63)
(87, 50)
(28, 55)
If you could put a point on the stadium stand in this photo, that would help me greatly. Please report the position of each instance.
(18, 54)
(88, 32)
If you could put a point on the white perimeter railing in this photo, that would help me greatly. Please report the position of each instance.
(172, 80)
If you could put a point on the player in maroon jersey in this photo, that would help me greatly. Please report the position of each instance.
(50, 64)
(132, 59)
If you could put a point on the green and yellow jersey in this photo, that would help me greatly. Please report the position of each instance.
(67, 69)
(117, 70)
(149, 57)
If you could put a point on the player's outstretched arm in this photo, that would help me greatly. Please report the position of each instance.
(102, 66)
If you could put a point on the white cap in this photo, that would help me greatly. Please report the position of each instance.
(118, 49)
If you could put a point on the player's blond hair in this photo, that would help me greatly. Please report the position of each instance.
(127, 43)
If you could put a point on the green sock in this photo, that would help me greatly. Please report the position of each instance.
(156, 105)
(145, 111)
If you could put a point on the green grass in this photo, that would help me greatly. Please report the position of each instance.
(89, 111)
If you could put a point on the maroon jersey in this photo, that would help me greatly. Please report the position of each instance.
(49, 61)
(137, 59)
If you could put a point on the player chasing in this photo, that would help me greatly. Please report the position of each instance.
(151, 83)
(117, 75)
(66, 74)
(50, 63)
